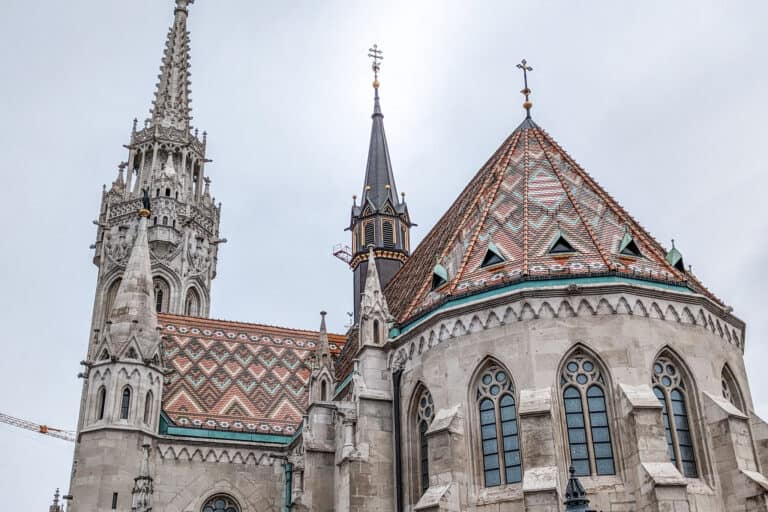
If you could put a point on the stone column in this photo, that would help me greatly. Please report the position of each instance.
(540, 480)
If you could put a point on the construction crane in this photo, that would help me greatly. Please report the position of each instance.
(64, 435)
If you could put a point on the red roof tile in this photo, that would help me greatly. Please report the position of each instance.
(237, 376)
(528, 193)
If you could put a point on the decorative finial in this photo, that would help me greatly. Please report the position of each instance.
(673, 243)
(526, 91)
(135, 124)
(376, 55)
(354, 200)
(146, 206)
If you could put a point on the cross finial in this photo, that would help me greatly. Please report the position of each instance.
(376, 55)
(526, 91)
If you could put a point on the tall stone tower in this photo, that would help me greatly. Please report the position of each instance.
(166, 161)
(381, 219)
(161, 260)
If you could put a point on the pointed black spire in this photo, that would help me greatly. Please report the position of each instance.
(381, 220)
(575, 496)
(379, 179)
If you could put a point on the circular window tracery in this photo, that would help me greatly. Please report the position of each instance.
(221, 503)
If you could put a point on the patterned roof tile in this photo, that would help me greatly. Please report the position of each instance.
(237, 376)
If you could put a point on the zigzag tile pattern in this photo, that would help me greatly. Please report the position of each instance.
(530, 191)
(237, 376)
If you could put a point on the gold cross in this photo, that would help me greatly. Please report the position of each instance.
(375, 54)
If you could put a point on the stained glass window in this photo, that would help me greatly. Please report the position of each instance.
(499, 436)
(425, 414)
(586, 417)
(670, 388)
(221, 503)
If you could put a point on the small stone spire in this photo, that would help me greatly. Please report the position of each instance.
(323, 346)
(373, 300)
(141, 496)
(133, 314)
(172, 104)
(575, 495)
(55, 507)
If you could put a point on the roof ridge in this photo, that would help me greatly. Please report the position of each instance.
(575, 205)
(198, 319)
(500, 167)
(481, 174)
(432, 232)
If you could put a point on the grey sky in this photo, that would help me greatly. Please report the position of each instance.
(664, 103)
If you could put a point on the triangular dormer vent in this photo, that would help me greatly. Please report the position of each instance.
(561, 245)
(439, 276)
(493, 256)
(628, 247)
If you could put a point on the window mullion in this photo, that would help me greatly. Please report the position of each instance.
(673, 431)
(588, 432)
(500, 443)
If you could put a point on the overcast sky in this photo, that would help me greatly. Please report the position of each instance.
(664, 103)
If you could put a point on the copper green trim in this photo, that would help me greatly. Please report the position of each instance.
(168, 428)
(343, 385)
(538, 283)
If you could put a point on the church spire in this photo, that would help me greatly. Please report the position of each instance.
(171, 107)
(133, 315)
(379, 183)
(381, 220)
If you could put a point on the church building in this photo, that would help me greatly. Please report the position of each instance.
(538, 351)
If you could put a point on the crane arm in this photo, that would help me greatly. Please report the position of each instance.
(64, 435)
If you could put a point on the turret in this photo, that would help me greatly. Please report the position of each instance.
(381, 220)
(323, 377)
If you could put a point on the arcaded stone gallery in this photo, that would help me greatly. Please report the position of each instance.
(539, 350)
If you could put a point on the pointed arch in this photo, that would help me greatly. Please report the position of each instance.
(421, 413)
(148, 407)
(731, 388)
(323, 390)
(125, 403)
(162, 294)
(674, 387)
(494, 400)
(101, 402)
(585, 389)
(109, 298)
(192, 302)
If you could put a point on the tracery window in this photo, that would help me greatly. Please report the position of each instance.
(731, 389)
(424, 415)
(670, 388)
(221, 503)
(586, 416)
(125, 404)
(500, 442)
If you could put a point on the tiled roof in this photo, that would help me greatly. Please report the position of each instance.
(528, 195)
(237, 376)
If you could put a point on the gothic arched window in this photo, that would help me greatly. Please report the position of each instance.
(192, 303)
(125, 403)
(162, 294)
(731, 389)
(323, 390)
(221, 503)
(670, 388)
(376, 333)
(425, 412)
(110, 298)
(101, 401)
(148, 407)
(586, 416)
(495, 396)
